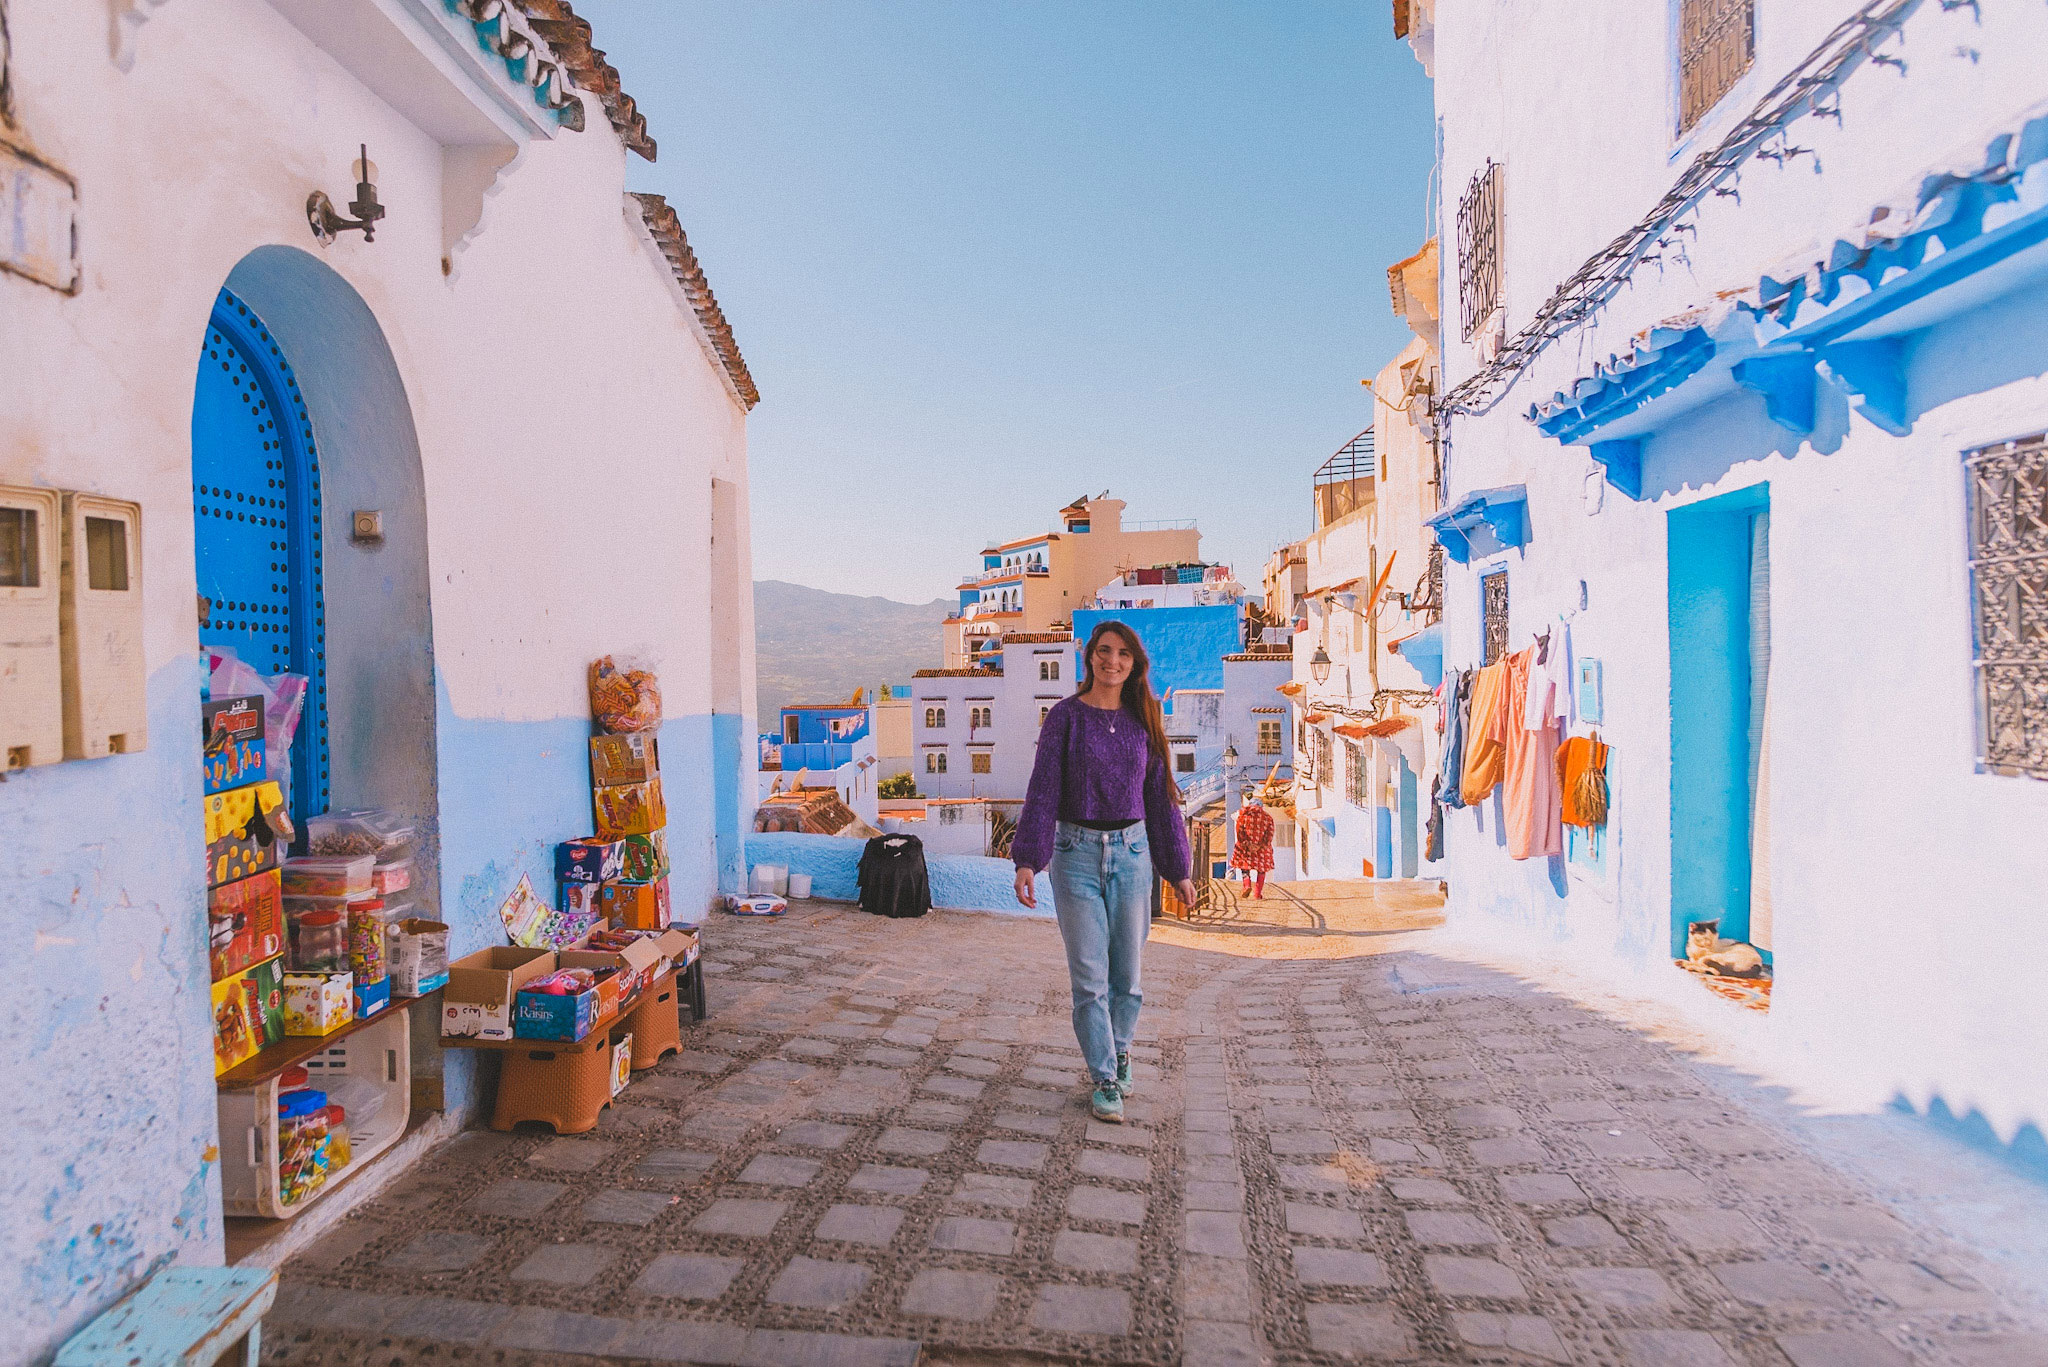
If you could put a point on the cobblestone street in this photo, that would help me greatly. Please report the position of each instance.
(1345, 1145)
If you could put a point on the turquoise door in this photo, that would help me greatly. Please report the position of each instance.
(256, 509)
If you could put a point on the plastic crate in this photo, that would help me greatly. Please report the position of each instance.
(380, 1053)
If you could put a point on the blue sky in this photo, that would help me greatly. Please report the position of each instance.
(984, 256)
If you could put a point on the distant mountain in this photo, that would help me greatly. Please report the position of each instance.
(813, 646)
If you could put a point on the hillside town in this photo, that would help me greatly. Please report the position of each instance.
(1582, 879)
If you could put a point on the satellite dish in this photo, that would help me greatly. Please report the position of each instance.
(1103, 494)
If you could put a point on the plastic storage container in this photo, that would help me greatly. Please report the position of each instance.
(329, 876)
(320, 943)
(361, 830)
(302, 1156)
(337, 1138)
(393, 877)
(366, 941)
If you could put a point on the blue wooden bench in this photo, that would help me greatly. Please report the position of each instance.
(182, 1317)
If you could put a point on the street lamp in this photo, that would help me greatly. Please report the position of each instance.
(1229, 761)
(1319, 665)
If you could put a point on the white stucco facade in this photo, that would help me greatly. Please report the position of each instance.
(511, 373)
(1878, 836)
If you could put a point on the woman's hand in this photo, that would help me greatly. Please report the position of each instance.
(1186, 888)
(1027, 891)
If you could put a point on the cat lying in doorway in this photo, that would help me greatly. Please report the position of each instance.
(1729, 958)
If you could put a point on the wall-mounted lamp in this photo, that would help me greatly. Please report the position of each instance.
(1229, 757)
(328, 225)
(1319, 665)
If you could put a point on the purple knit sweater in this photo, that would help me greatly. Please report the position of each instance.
(1098, 765)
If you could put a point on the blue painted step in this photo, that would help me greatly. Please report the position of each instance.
(183, 1317)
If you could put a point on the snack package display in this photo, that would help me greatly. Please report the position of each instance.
(622, 1062)
(245, 923)
(362, 830)
(328, 875)
(642, 906)
(244, 828)
(756, 906)
(232, 732)
(623, 698)
(317, 1003)
(366, 941)
(629, 809)
(624, 759)
(583, 899)
(302, 1145)
(532, 924)
(416, 952)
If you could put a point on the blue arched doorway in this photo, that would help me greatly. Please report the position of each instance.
(257, 517)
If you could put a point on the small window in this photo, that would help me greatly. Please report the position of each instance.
(1493, 594)
(935, 761)
(2008, 504)
(1044, 712)
(1184, 762)
(1356, 770)
(935, 718)
(20, 549)
(790, 731)
(1049, 670)
(979, 717)
(106, 553)
(1269, 737)
(1716, 44)
(978, 761)
(1479, 275)
(1322, 762)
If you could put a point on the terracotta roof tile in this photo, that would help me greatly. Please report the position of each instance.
(957, 674)
(1037, 637)
(661, 221)
(568, 34)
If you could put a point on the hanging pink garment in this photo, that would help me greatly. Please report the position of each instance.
(1531, 802)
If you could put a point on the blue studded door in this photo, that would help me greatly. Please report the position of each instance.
(256, 506)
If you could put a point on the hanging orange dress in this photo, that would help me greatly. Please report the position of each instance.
(1485, 734)
(1531, 804)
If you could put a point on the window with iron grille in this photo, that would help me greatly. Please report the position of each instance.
(978, 761)
(1435, 602)
(1355, 771)
(1269, 737)
(1322, 743)
(1479, 250)
(2008, 494)
(1716, 43)
(1494, 594)
(1184, 762)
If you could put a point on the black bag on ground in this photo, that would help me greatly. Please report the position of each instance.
(893, 881)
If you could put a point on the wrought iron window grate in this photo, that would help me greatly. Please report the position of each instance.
(1355, 771)
(2008, 499)
(1479, 250)
(1321, 766)
(1716, 43)
(1494, 594)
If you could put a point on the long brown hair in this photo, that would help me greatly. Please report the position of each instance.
(1138, 699)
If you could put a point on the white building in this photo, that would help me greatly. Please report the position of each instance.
(504, 438)
(975, 731)
(1743, 404)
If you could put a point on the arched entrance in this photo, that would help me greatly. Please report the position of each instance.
(301, 419)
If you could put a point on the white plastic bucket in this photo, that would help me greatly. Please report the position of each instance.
(771, 878)
(799, 885)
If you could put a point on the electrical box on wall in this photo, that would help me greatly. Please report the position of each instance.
(31, 663)
(106, 703)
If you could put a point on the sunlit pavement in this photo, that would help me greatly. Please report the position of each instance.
(1350, 1142)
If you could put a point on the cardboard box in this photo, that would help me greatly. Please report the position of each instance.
(623, 759)
(583, 899)
(241, 840)
(646, 857)
(639, 906)
(371, 998)
(233, 728)
(416, 955)
(596, 860)
(245, 923)
(629, 809)
(482, 987)
(248, 1014)
(638, 964)
(317, 1003)
(622, 1062)
(563, 1017)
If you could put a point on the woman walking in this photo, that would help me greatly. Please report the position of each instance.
(1102, 813)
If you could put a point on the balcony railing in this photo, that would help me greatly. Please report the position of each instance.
(1170, 524)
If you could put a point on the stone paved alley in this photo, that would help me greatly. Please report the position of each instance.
(1348, 1144)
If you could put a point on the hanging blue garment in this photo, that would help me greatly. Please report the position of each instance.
(1457, 704)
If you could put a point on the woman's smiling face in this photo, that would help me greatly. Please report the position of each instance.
(1111, 660)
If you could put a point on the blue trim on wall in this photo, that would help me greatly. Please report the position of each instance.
(1483, 523)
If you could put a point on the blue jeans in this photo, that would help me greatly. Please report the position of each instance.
(1102, 894)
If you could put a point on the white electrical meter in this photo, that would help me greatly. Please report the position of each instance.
(31, 665)
(105, 689)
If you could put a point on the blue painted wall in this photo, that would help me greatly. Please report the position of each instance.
(1186, 645)
(814, 724)
(1709, 568)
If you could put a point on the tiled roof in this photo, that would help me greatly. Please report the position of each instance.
(568, 33)
(1037, 637)
(668, 233)
(957, 674)
(1284, 654)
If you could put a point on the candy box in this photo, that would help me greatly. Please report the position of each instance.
(622, 1062)
(481, 987)
(640, 906)
(245, 923)
(629, 809)
(243, 829)
(564, 1016)
(370, 998)
(233, 728)
(646, 856)
(623, 759)
(589, 861)
(583, 899)
(248, 1014)
(416, 954)
(317, 1003)
(761, 905)
(635, 966)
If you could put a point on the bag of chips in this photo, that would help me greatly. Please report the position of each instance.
(624, 699)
